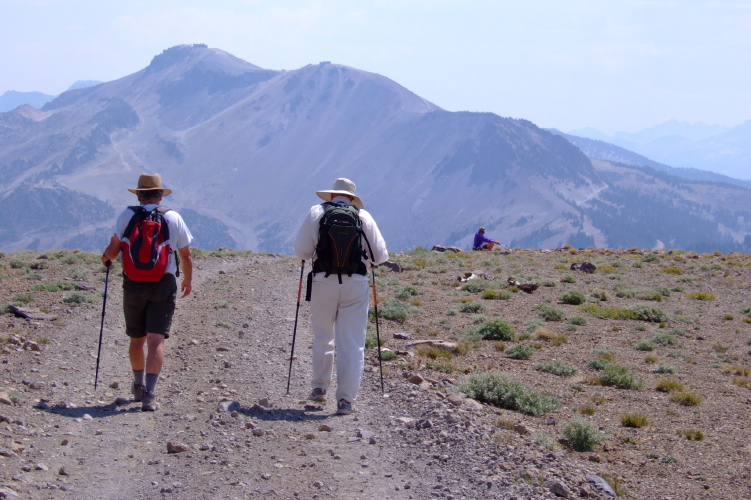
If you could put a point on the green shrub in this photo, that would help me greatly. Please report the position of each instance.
(496, 295)
(578, 320)
(23, 298)
(624, 291)
(664, 339)
(568, 279)
(371, 340)
(651, 314)
(549, 313)
(394, 310)
(76, 298)
(599, 363)
(388, 355)
(496, 389)
(573, 297)
(497, 329)
(618, 376)
(556, 368)
(520, 351)
(644, 345)
(472, 307)
(55, 286)
(582, 435)
(666, 369)
(408, 292)
(477, 286)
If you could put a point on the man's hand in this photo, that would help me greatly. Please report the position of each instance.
(186, 287)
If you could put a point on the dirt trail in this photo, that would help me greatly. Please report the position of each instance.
(230, 342)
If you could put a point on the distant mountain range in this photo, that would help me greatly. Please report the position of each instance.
(245, 148)
(12, 98)
(719, 149)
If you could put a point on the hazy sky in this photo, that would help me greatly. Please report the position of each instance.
(609, 64)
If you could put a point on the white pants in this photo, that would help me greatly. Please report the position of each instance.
(339, 313)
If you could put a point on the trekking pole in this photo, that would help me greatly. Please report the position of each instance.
(294, 331)
(375, 306)
(101, 330)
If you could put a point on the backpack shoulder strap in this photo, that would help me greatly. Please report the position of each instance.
(137, 211)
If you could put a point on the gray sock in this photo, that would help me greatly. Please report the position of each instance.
(151, 380)
(138, 376)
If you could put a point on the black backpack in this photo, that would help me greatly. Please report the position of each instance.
(339, 248)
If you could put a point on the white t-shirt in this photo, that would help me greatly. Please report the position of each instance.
(179, 234)
(307, 236)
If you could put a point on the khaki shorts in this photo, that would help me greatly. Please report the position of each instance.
(149, 307)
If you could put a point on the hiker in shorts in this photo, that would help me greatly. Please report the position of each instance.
(149, 291)
(482, 242)
(339, 302)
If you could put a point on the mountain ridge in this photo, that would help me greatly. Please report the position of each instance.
(245, 148)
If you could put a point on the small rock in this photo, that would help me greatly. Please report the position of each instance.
(601, 485)
(258, 432)
(559, 489)
(41, 466)
(122, 401)
(5, 399)
(229, 406)
(86, 416)
(63, 472)
(174, 447)
(521, 429)
(401, 335)
(416, 379)
(456, 399)
(115, 384)
(310, 435)
(264, 402)
(64, 442)
(325, 428)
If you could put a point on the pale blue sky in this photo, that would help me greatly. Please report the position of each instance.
(610, 64)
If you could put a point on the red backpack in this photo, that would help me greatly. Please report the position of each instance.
(145, 245)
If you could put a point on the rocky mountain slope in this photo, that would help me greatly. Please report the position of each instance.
(653, 364)
(245, 148)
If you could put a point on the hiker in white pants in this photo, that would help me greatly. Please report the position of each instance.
(339, 311)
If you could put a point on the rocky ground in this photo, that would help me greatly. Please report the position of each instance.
(227, 429)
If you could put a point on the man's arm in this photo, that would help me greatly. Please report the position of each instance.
(186, 262)
(112, 250)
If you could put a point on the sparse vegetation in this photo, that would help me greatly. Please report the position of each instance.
(498, 390)
(520, 351)
(635, 420)
(582, 435)
(556, 368)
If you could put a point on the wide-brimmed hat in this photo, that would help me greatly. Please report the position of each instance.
(342, 186)
(148, 182)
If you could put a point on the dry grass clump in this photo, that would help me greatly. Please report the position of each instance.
(669, 384)
(686, 398)
(634, 420)
(430, 352)
(554, 338)
(701, 296)
(692, 434)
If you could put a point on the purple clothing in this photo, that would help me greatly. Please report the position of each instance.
(480, 238)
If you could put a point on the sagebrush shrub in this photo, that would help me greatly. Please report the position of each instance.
(618, 376)
(573, 297)
(582, 435)
(472, 307)
(497, 329)
(556, 368)
(496, 389)
(520, 351)
(550, 313)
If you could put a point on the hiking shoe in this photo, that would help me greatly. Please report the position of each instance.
(343, 407)
(137, 391)
(148, 402)
(318, 395)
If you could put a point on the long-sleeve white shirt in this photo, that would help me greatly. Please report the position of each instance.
(307, 236)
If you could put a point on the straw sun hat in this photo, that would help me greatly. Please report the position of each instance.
(148, 182)
(342, 186)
